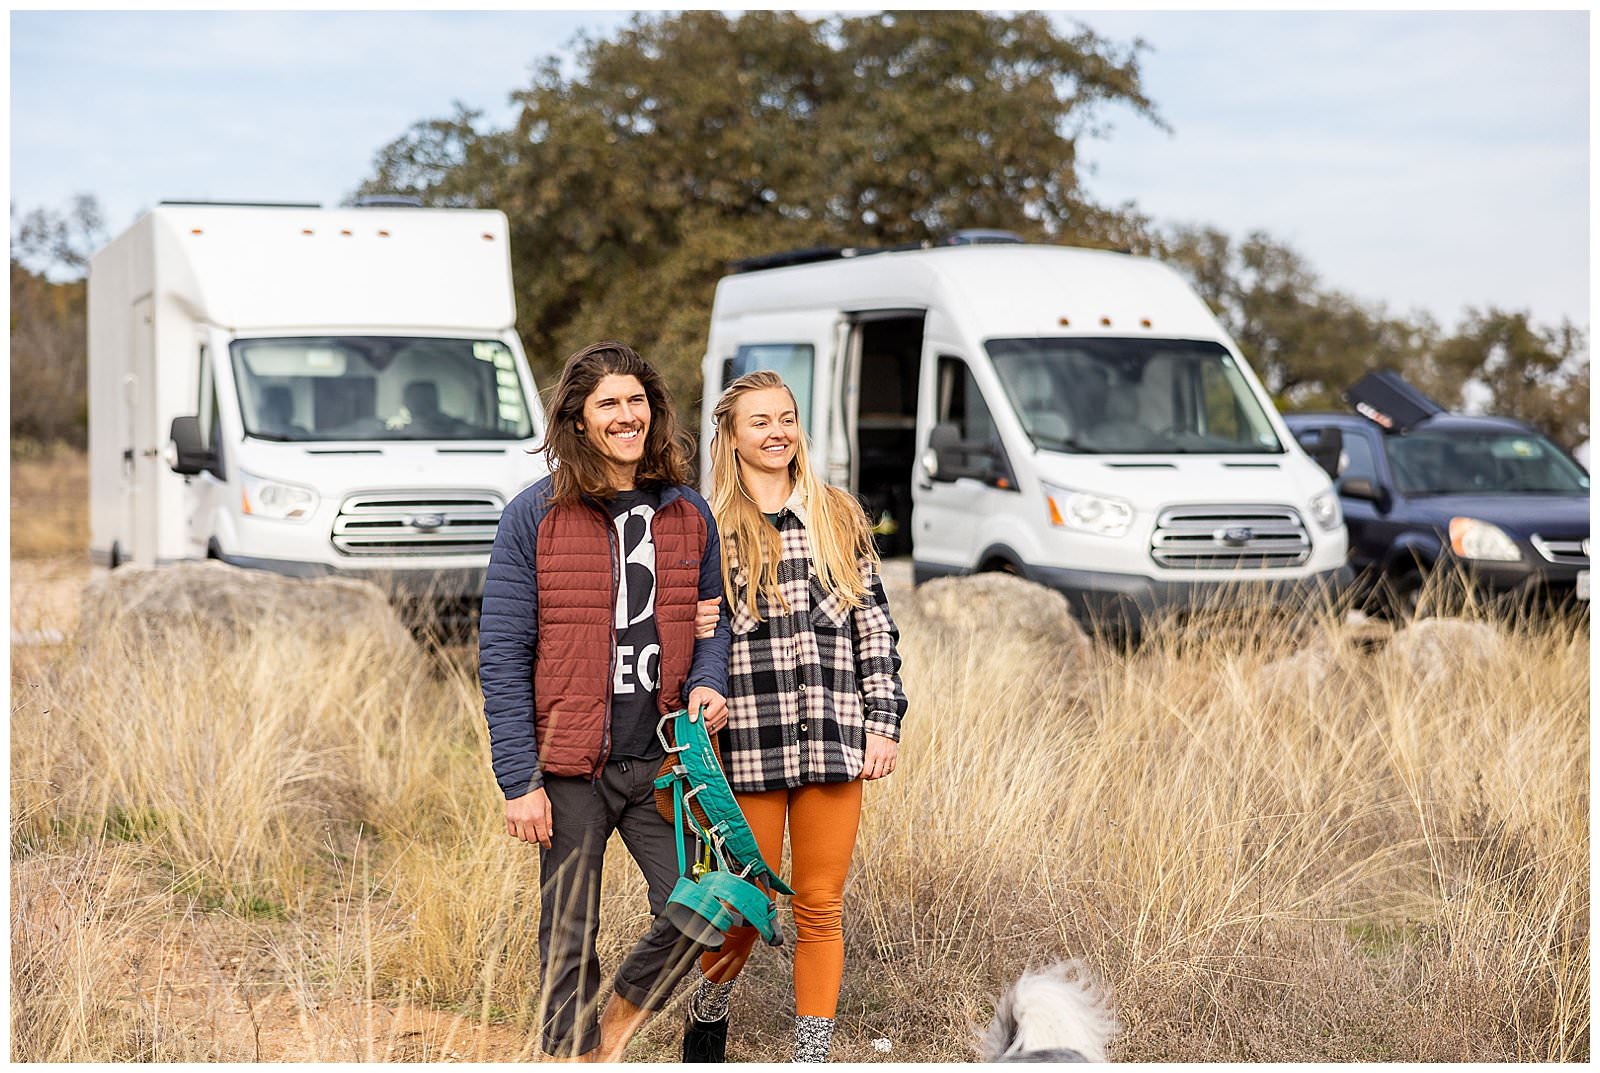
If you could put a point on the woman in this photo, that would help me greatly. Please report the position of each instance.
(814, 695)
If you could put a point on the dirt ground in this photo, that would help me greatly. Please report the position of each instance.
(220, 995)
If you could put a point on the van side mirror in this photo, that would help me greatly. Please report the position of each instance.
(1324, 445)
(952, 458)
(186, 452)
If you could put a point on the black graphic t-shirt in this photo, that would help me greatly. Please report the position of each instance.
(636, 660)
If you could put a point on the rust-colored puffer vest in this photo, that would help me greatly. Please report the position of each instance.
(577, 598)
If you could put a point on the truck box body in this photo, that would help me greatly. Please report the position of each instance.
(1075, 416)
(355, 373)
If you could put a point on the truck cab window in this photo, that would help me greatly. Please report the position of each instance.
(379, 388)
(206, 404)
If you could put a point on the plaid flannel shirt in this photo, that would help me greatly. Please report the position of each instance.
(805, 686)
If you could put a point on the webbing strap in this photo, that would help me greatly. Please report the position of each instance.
(718, 895)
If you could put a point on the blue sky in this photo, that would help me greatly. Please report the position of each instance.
(1425, 160)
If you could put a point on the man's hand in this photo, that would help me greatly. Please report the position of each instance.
(881, 754)
(528, 817)
(705, 617)
(716, 713)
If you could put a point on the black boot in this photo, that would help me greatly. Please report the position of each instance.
(705, 1041)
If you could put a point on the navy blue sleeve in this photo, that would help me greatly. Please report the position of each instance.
(508, 628)
(710, 666)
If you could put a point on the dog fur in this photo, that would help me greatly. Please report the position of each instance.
(1060, 1013)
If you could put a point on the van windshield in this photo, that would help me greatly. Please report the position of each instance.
(1132, 396)
(1440, 462)
(379, 387)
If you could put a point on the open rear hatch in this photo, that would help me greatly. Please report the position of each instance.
(1386, 400)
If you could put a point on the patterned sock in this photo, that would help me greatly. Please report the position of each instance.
(811, 1038)
(710, 1000)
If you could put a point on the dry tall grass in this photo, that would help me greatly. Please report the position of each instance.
(49, 494)
(1278, 843)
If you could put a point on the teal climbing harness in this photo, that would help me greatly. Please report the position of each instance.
(720, 888)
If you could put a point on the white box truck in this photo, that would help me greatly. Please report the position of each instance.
(310, 391)
(1077, 417)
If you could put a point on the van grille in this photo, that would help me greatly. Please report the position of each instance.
(1572, 552)
(417, 523)
(1229, 538)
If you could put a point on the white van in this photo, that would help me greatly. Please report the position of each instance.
(1077, 417)
(308, 391)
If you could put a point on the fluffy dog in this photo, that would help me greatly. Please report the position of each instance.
(1060, 1013)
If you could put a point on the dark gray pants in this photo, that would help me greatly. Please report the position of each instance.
(583, 815)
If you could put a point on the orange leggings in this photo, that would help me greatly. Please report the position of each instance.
(823, 818)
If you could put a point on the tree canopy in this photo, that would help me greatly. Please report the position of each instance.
(687, 141)
(636, 173)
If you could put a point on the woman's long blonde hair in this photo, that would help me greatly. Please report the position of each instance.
(835, 523)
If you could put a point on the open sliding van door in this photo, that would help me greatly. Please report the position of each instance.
(873, 426)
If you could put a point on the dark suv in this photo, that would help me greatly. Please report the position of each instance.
(1424, 489)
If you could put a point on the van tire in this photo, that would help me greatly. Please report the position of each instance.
(117, 558)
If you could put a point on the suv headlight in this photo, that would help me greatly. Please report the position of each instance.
(1473, 539)
(274, 499)
(1086, 512)
(1325, 509)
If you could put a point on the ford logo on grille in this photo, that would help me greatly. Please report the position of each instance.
(426, 522)
(1234, 536)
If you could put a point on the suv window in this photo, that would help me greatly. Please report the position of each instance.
(1356, 458)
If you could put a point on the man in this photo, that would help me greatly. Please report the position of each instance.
(586, 639)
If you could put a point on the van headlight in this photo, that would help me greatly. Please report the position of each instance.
(1473, 539)
(1087, 512)
(274, 499)
(1325, 509)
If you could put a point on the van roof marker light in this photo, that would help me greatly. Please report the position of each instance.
(346, 232)
(1065, 323)
(382, 233)
(1105, 322)
(195, 231)
(307, 231)
(488, 236)
(1145, 322)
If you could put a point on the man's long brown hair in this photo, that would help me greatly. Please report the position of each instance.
(575, 466)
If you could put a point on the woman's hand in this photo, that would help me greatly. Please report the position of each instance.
(705, 617)
(881, 754)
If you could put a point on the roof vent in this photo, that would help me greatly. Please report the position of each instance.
(981, 237)
(190, 203)
(388, 201)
